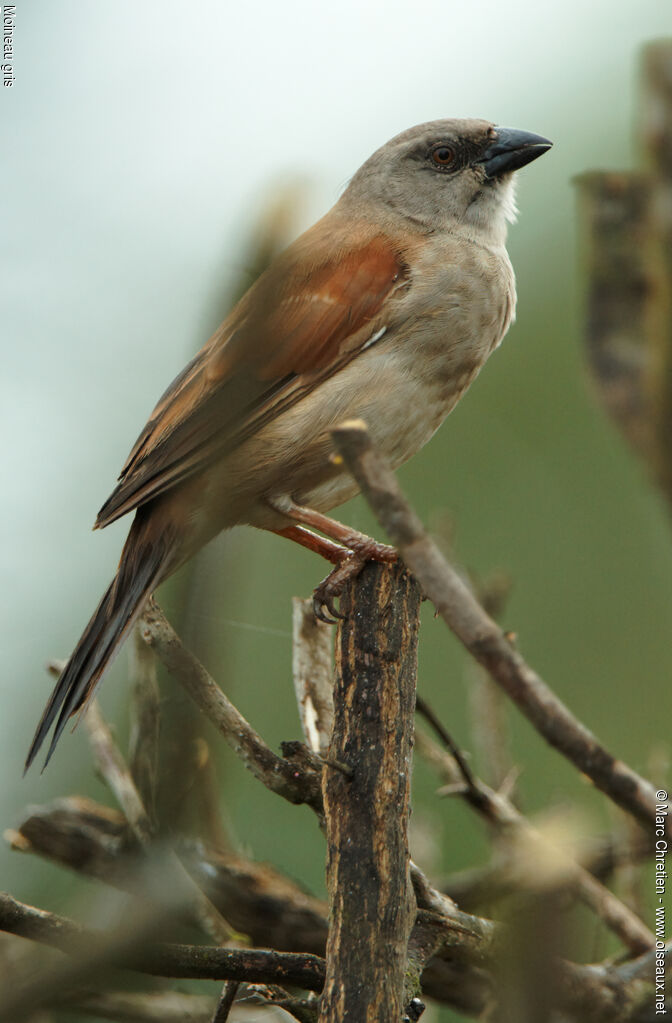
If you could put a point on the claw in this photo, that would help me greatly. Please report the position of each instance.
(324, 596)
(335, 611)
(319, 603)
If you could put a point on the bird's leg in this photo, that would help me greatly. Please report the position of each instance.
(331, 587)
(347, 565)
(333, 552)
(358, 543)
(348, 549)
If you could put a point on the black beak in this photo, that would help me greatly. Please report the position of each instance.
(511, 150)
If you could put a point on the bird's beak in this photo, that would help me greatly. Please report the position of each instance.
(512, 149)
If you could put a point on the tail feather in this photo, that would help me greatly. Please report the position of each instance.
(142, 567)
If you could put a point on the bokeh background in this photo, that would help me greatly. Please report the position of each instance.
(142, 147)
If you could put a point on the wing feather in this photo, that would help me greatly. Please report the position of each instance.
(304, 318)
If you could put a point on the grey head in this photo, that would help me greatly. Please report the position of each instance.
(447, 173)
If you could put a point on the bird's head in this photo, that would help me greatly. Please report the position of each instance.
(448, 173)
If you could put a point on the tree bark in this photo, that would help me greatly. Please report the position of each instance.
(367, 796)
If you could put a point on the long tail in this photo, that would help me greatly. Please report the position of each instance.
(143, 565)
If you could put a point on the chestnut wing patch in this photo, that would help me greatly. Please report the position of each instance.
(302, 320)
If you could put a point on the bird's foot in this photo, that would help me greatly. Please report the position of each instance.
(348, 549)
(363, 549)
(369, 549)
(332, 586)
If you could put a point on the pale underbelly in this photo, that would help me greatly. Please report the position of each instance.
(293, 456)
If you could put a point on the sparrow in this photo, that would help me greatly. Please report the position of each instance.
(384, 310)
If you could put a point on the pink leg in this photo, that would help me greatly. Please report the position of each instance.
(358, 543)
(346, 548)
(333, 552)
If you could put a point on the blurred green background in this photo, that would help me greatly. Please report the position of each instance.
(141, 146)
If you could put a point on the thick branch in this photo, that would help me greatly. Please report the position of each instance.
(481, 635)
(372, 907)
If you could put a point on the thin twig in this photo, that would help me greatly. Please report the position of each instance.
(499, 811)
(479, 886)
(487, 702)
(226, 1000)
(278, 774)
(463, 934)
(143, 745)
(114, 770)
(302, 1009)
(428, 714)
(481, 635)
(313, 674)
(111, 765)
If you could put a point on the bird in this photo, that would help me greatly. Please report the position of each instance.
(384, 310)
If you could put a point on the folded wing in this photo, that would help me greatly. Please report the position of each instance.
(309, 314)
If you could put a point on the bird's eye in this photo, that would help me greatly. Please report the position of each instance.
(443, 156)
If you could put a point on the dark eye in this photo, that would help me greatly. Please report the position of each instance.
(443, 156)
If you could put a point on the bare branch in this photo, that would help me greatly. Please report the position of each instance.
(481, 635)
(500, 812)
(257, 899)
(90, 953)
(302, 1009)
(273, 910)
(226, 1000)
(459, 974)
(605, 993)
(143, 747)
(111, 765)
(479, 886)
(312, 671)
(277, 774)
(114, 770)
(205, 962)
